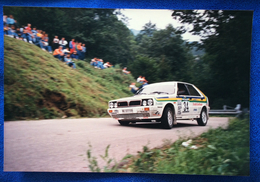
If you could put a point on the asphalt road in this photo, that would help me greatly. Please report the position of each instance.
(60, 145)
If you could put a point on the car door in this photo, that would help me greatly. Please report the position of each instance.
(183, 104)
(194, 100)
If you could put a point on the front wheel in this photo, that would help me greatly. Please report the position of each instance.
(202, 121)
(168, 118)
(124, 123)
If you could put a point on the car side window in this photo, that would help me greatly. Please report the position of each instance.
(182, 90)
(193, 91)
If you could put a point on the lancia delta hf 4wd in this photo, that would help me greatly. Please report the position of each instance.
(163, 102)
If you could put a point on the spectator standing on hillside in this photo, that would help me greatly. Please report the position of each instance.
(133, 88)
(55, 42)
(45, 42)
(72, 45)
(58, 53)
(84, 50)
(63, 42)
(125, 71)
(79, 50)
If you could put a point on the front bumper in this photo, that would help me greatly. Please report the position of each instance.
(135, 113)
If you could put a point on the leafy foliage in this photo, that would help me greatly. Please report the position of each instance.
(220, 152)
(227, 42)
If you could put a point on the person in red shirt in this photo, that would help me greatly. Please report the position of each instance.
(58, 53)
(28, 27)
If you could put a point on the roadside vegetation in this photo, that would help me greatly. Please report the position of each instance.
(219, 152)
(37, 85)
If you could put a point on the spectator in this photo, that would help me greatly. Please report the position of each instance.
(30, 37)
(63, 42)
(84, 50)
(144, 83)
(58, 53)
(34, 31)
(107, 65)
(21, 28)
(69, 61)
(94, 62)
(72, 45)
(100, 64)
(24, 35)
(4, 19)
(139, 79)
(28, 27)
(79, 50)
(125, 71)
(66, 51)
(6, 28)
(39, 36)
(12, 32)
(74, 55)
(45, 43)
(10, 20)
(55, 42)
(133, 88)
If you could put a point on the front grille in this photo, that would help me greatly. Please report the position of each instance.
(131, 116)
(135, 103)
(122, 104)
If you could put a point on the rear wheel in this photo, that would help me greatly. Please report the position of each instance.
(168, 118)
(202, 121)
(124, 123)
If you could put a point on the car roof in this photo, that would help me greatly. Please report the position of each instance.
(169, 82)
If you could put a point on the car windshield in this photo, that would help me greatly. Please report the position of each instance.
(156, 89)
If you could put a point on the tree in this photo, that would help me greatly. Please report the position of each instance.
(227, 40)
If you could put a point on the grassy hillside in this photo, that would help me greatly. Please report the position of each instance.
(37, 85)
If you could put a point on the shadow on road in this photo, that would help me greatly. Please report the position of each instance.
(149, 125)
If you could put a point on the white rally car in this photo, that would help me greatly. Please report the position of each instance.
(163, 102)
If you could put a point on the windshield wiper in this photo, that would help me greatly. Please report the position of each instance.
(157, 92)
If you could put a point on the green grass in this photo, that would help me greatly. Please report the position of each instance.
(37, 85)
(220, 152)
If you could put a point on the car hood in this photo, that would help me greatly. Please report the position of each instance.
(138, 97)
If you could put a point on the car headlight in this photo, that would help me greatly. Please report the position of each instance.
(147, 102)
(144, 102)
(150, 102)
(115, 105)
(111, 104)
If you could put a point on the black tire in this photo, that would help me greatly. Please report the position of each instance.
(124, 123)
(168, 118)
(203, 120)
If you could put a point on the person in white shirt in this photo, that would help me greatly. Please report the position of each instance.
(133, 88)
(55, 42)
(139, 79)
(125, 71)
(63, 42)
